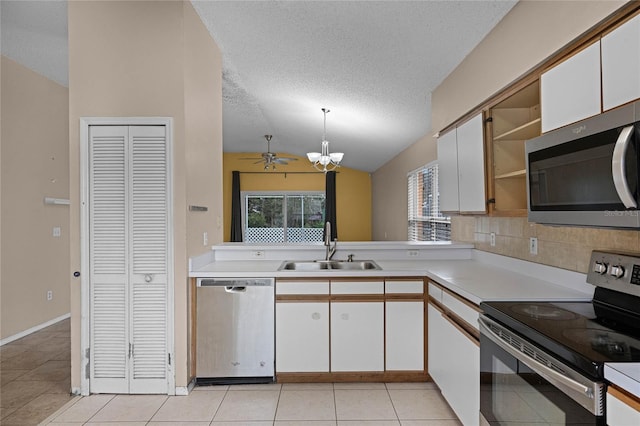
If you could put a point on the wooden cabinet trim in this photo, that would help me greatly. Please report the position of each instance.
(302, 298)
(624, 396)
(457, 296)
(608, 24)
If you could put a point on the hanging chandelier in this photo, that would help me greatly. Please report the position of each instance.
(325, 161)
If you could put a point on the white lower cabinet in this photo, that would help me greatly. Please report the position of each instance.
(454, 364)
(404, 335)
(302, 337)
(357, 336)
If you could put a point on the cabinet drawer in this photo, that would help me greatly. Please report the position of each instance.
(435, 292)
(302, 287)
(404, 287)
(357, 287)
(461, 309)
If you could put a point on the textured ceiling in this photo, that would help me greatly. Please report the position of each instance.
(373, 64)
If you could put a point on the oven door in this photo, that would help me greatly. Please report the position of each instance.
(521, 384)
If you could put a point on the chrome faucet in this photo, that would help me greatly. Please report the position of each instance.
(330, 251)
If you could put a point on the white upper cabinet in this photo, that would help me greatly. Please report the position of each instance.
(448, 172)
(571, 90)
(621, 65)
(461, 168)
(471, 188)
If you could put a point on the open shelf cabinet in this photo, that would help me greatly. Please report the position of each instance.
(512, 121)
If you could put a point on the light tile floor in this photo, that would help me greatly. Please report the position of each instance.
(35, 375)
(35, 383)
(316, 404)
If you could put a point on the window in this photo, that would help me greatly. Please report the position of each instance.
(426, 222)
(277, 217)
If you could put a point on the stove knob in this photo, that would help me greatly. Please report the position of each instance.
(600, 268)
(617, 271)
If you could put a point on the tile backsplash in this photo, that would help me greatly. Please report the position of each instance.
(560, 246)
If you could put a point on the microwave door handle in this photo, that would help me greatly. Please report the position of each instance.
(618, 168)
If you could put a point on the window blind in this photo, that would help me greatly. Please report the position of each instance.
(426, 222)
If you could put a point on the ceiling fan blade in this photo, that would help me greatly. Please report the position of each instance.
(288, 158)
(280, 161)
(250, 158)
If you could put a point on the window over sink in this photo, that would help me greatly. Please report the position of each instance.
(426, 221)
(278, 217)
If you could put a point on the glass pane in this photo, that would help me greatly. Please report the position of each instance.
(264, 212)
(305, 217)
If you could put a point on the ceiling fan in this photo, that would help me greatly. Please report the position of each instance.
(270, 159)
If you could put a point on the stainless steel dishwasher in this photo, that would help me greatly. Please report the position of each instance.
(235, 330)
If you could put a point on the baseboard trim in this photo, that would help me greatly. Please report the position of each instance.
(33, 329)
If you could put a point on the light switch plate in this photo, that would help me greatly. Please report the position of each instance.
(533, 246)
(56, 231)
(493, 239)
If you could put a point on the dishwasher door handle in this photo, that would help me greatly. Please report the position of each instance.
(235, 289)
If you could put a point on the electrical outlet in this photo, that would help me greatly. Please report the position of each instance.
(412, 253)
(257, 254)
(493, 239)
(50, 295)
(56, 231)
(205, 238)
(533, 246)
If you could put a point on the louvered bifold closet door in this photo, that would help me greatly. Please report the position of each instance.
(129, 234)
(108, 259)
(149, 258)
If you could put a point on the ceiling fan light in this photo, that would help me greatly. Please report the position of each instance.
(314, 156)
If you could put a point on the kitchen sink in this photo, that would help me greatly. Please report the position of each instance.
(328, 265)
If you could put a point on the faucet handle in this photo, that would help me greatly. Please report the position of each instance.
(350, 258)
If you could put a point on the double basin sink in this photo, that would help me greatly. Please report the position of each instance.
(329, 265)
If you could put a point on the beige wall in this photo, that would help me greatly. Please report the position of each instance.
(34, 165)
(389, 195)
(532, 32)
(141, 58)
(353, 190)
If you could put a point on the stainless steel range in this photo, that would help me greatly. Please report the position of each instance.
(543, 362)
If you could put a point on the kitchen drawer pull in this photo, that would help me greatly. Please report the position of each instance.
(235, 289)
(461, 329)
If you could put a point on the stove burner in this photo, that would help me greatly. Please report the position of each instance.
(543, 311)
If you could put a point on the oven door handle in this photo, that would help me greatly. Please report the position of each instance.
(618, 168)
(555, 378)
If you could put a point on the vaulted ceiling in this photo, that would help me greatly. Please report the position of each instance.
(374, 64)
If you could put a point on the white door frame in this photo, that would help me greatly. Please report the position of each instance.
(85, 338)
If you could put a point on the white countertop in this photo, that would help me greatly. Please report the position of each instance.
(475, 275)
(470, 278)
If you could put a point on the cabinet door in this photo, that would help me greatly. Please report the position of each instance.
(405, 335)
(471, 176)
(357, 336)
(454, 364)
(448, 172)
(302, 337)
(621, 65)
(571, 90)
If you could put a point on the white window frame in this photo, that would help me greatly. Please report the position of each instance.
(245, 194)
(415, 201)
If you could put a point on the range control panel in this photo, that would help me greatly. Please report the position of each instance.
(617, 271)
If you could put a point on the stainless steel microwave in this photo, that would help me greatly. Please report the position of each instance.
(586, 174)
